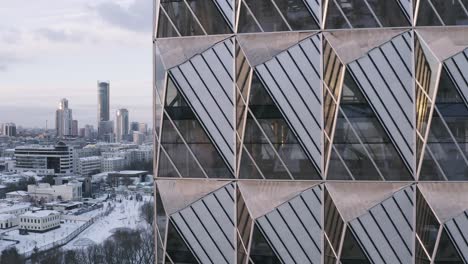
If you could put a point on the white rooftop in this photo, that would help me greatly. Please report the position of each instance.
(41, 213)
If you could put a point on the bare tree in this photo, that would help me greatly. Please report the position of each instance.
(147, 213)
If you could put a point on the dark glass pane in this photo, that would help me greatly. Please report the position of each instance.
(427, 225)
(166, 169)
(335, 18)
(262, 152)
(358, 13)
(258, 93)
(247, 169)
(165, 28)
(447, 92)
(336, 168)
(177, 249)
(209, 16)
(446, 252)
(389, 13)
(297, 14)
(429, 169)
(260, 250)
(421, 257)
(246, 21)
(267, 15)
(370, 132)
(329, 257)
(451, 12)
(352, 252)
(182, 18)
(426, 15)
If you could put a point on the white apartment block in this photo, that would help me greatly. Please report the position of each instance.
(39, 221)
(89, 165)
(66, 192)
(113, 164)
(8, 220)
(14, 209)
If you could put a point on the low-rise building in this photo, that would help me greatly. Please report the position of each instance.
(65, 192)
(39, 221)
(15, 209)
(17, 195)
(113, 164)
(8, 220)
(89, 165)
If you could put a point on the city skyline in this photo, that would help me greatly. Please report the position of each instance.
(64, 47)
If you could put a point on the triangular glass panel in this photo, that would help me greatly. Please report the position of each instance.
(165, 166)
(371, 133)
(179, 152)
(195, 136)
(365, 14)
(182, 18)
(449, 12)
(297, 14)
(446, 251)
(262, 152)
(352, 152)
(210, 17)
(165, 28)
(260, 250)
(267, 15)
(272, 122)
(351, 253)
(445, 151)
(246, 22)
(430, 170)
(177, 249)
(439, 194)
(427, 225)
(248, 169)
(336, 169)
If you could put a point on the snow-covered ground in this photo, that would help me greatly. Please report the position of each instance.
(125, 215)
(28, 242)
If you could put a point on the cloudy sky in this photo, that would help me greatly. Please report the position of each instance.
(53, 49)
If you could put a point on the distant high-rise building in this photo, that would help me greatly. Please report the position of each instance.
(103, 101)
(138, 138)
(88, 131)
(134, 127)
(122, 124)
(106, 131)
(8, 129)
(82, 132)
(103, 106)
(63, 119)
(45, 160)
(75, 128)
(143, 128)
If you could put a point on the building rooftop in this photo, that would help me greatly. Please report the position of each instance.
(8, 208)
(20, 193)
(41, 213)
(4, 217)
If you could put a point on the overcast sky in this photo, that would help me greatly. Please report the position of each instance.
(53, 49)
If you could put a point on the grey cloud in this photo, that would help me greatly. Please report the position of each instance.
(137, 17)
(10, 35)
(6, 59)
(59, 35)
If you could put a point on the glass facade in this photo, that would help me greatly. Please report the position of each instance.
(311, 131)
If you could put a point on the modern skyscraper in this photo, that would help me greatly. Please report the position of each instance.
(63, 119)
(134, 126)
(103, 101)
(8, 129)
(75, 128)
(122, 125)
(306, 131)
(103, 106)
